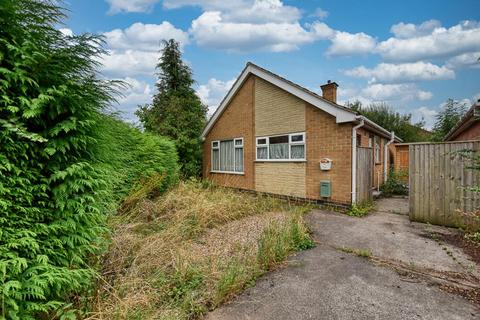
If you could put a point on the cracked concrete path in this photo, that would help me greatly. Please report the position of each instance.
(326, 283)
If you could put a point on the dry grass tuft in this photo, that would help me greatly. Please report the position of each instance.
(192, 249)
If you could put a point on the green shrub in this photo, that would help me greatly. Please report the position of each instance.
(394, 185)
(58, 179)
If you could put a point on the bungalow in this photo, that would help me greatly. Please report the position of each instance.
(468, 128)
(273, 136)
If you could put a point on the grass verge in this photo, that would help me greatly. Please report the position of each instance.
(191, 250)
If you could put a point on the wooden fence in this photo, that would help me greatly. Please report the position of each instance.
(438, 178)
(364, 174)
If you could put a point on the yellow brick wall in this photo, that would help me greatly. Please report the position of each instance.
(284, 178)
(277, 111)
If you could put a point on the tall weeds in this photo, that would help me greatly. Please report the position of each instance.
(192, 249)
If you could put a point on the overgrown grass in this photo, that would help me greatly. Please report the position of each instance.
(360, 209)
(364, 253)
(192, 249)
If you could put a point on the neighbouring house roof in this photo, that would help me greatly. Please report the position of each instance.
(342, 114)
(472, 115)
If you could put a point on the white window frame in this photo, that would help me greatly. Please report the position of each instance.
(235, 146)
(290, 144)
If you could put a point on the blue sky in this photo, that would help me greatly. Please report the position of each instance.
(411, 54)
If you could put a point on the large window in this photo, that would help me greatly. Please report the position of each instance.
(227, 156)
(281, 147)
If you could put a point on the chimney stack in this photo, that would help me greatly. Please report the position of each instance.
(329, 91)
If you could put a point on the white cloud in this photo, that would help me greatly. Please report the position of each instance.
(211, 30)
(441, 42)
(391, 92)
(466, 60)
(417, 71)
(135, 50)
(129, 63)
(141, 36)
(66, 31)
(117, 6)
(262, 11)
(410, 30)
(206, 4)
(320, 14)
(213, 92)
(136, 93)
(426, 114)
(344, 43)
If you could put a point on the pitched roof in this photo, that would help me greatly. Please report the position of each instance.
(472, 115)
(341, 113)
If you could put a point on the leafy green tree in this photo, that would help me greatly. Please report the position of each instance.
(51, 194)
(391, 120)
(447, 118)
(176, 111)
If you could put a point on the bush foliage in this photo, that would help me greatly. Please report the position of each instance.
(394, 185)
(58, 180)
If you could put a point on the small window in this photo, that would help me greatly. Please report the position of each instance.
(284, 147)
(227, 156)
(296, 138)
(239, 142)
(261, 141)
(370, 141)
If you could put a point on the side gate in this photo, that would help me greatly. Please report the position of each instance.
(364, 174)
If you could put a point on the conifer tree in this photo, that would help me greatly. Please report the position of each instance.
(176, 111)
(51, 209)
(447, 118)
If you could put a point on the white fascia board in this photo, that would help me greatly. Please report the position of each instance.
(340, 114)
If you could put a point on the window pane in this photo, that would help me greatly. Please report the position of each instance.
(279, 139)
(239, 160)
(278, 150)
(297, 138)
(215, 144)
(262, 153)
(215, 160)
(262, 141)
(297, 151)
(226, 155)
(238, 142)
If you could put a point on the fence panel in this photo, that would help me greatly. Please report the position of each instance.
(438, 178)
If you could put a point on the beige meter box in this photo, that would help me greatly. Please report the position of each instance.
(325, 164)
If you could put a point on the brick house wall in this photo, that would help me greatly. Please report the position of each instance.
(236, 121)
(261, 109)
(471, 133)
(327, 139)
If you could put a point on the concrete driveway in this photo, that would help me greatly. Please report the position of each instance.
(377, 267)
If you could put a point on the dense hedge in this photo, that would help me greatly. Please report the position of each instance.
(62, 163)
(130, 156)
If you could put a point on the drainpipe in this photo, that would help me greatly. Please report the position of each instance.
(354, 159)
(385, 155)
